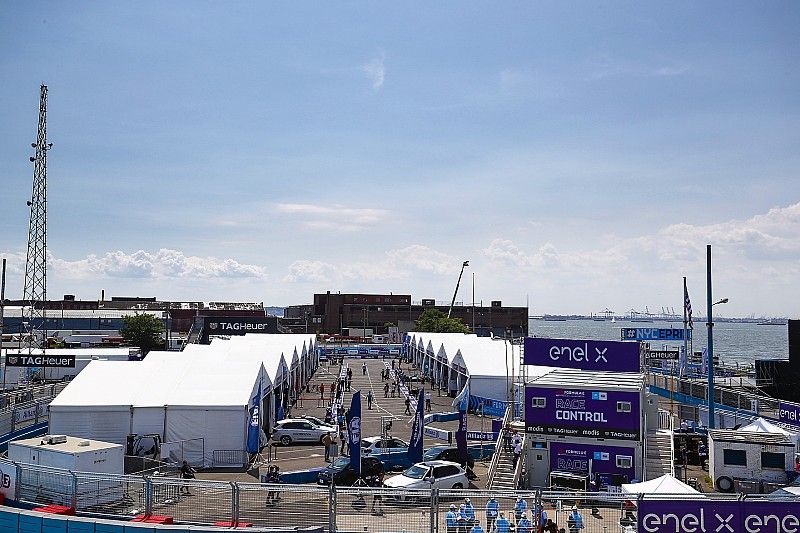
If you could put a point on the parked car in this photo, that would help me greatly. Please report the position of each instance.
(314, 420)
(446, 453)
(291, 430)
(379, 445)
(343, 473)
(428, 474)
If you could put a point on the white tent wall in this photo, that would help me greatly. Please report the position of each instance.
(223, 430)
(148, 421)
(488, 387)
(108, 424)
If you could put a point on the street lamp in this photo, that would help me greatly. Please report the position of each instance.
(710, 349)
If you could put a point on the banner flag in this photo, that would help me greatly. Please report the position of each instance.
(682, 362)
(462, 402)
(254, 426)
(687, 304)
(417, 430)
(354, 433)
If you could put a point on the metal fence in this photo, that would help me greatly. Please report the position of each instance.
(26, 407)
(335, 509)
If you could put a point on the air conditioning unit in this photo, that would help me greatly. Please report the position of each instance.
(56, 439)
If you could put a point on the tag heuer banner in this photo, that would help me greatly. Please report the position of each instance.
(29, 361)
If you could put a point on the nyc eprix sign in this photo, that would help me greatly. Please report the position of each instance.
(655, 334)
(708, 516)
(31, 361)
(582, 413)
(616, 356)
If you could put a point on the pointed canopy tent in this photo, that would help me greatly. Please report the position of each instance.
(760, 425)
(665, 484)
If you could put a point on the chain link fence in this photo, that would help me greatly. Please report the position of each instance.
(334, 509)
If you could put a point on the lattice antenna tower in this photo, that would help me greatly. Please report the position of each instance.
(36, 262)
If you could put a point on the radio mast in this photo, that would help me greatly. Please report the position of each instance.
(36, 263)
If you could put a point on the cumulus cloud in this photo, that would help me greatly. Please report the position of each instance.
(333, 217)
(764, 243)
(165, 263)
(402, 263)
(375, 71)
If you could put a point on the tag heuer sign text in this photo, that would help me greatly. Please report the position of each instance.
(64, 361)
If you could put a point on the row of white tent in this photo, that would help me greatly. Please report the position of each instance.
(452, 358)
(201, 395)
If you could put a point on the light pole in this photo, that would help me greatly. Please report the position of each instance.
(710, 349)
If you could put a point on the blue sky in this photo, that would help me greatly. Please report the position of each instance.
(580, 156)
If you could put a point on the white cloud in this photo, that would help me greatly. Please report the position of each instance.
(333, 217)
(163, 264)
(375, 71)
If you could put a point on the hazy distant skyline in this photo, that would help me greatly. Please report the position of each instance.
(579, 156)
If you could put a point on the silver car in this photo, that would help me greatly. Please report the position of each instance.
(291, 430)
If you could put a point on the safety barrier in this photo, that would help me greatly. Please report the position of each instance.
(334, 509)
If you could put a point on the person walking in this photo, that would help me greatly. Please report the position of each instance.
(517, 450)
(327, 441)
(408, 405)
(377, 498)
(187, 472)
(386, 390)
(273, 477)
(428, 400)
(369, 399)
(451, 517)
(321, 401)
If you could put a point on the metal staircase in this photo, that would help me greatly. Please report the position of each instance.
(502, 474)
(659, 452)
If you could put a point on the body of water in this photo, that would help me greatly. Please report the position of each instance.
(733, 342)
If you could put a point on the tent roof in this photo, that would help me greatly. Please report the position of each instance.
(665, 484)
(164, 378)
(760, 425)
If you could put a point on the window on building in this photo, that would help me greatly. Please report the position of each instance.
(773, 460)
(623, 407)
(735, 457)
(538, 402)
(624, 461)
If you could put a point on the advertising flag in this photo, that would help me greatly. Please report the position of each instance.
(417, 429)
(254, 425)
(462, 402)
(705, 361)
(682, 362)
(354, 433)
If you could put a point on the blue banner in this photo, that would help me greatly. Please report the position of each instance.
(654, 334)
(462, 402)
(415, 444)
(354, 433)
(255, 422)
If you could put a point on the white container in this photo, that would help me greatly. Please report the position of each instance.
(76, 455)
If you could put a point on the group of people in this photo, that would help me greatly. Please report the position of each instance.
(336, 388)
(462, 519)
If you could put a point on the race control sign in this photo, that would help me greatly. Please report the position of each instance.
(583, 413)
(30, 361)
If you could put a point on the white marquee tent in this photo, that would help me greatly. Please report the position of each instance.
(665, 484)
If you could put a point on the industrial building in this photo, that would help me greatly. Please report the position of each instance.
(368, 314)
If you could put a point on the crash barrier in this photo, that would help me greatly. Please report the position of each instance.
(364, 509)
(24, 521)
(25, 408)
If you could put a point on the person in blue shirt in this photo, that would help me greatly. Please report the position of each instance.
(492, 509)
(523, 524)
(520, 507)
(463, 522)
(502, 525)
(575, 520)
(469, 510)
(452, 519)
(476, 527)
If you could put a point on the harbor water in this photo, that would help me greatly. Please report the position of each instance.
(734, 342)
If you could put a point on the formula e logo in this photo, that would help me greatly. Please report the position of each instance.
(5, 480)
(213, 325)
(355, 430)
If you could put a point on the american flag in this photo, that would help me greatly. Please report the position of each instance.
(687, 304)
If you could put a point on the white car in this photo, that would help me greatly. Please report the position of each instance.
(379, 445)
(291, 430)
(429, 474)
